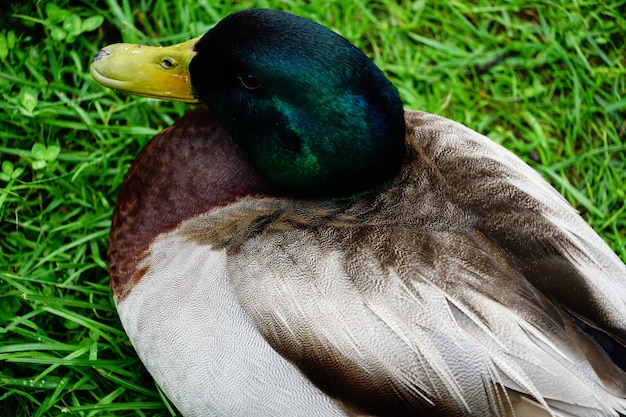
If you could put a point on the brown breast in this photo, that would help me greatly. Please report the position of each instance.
(188, 169)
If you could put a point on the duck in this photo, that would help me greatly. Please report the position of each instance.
(301, 245)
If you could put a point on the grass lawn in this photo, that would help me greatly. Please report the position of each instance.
(545, 79)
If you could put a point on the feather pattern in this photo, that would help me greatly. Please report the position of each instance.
(454, 291)
(445, 293)
(193, 336)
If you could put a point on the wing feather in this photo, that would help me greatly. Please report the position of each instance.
(455, 292)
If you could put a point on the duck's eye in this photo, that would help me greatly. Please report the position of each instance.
(249, 82)
(169, 63)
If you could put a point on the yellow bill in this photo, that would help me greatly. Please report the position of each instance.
(150, 71)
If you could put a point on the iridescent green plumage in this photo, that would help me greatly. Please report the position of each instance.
(321, 120)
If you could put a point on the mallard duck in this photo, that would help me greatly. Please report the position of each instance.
(306, 247)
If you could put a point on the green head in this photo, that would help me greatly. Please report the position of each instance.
(311, 110)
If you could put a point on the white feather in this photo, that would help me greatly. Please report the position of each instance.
(199, 345)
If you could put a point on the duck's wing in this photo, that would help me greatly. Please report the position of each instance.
(419, 322)
(461, 304)
(546, 240)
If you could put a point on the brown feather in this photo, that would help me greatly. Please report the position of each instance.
(189, 168)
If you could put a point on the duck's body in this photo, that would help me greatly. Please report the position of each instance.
(463, 286)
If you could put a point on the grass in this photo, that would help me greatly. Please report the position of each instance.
(545, 79)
